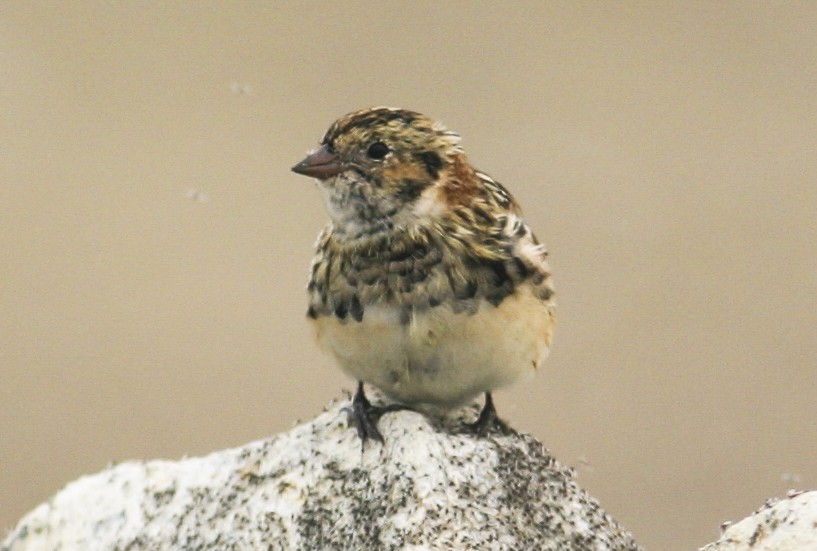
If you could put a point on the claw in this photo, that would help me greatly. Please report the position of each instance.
(488, 419)
(364, 416)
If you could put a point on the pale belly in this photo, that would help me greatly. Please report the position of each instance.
(441, 358)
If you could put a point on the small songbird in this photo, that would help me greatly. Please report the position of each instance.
(426, 283)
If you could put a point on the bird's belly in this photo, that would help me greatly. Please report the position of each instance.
(440, 357)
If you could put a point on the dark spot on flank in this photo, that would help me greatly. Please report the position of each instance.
(499, 273)
(432, 162)
(469, 290)
(341, 311)
(544, 293)
(461, 289)
(496, 297)
(355, 308)
(520, 270)
(500, 282)
(538, 278)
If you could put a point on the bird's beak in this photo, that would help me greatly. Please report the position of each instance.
(320, 163)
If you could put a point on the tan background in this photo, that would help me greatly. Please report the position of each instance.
(155, 245)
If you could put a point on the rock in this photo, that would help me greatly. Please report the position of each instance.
(431, 485)
(788, 524)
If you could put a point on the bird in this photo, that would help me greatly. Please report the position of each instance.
(426, 283)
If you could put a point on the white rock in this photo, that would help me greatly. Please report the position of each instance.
(788, 524)
(430, 486)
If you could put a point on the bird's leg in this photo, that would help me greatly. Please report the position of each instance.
(487, 419)
(364, 416)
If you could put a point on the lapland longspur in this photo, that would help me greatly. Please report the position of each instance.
(427, 283)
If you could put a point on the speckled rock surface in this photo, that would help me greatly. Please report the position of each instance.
(430, 486)
(788, 524)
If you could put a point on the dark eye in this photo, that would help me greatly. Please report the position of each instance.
(377, 151)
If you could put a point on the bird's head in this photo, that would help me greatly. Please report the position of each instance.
(384, 167)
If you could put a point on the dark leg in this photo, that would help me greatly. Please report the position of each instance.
(364, 416)
(488, 419)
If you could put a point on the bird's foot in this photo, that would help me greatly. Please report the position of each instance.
(364, 416)
(488, 420)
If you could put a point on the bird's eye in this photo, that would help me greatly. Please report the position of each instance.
(377, 151)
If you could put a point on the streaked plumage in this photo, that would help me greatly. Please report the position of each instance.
(426, 283)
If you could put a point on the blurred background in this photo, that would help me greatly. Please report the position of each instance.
(155, 244)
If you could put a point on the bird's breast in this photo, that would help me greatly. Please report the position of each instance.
(441, 355)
